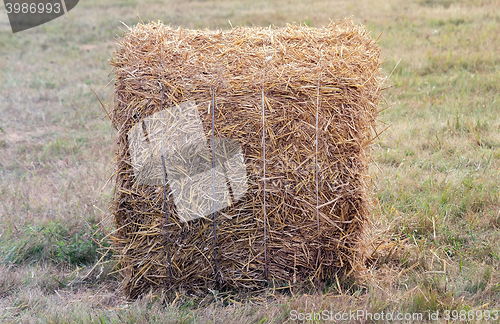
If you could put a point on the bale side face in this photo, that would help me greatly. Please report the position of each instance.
(308, 84)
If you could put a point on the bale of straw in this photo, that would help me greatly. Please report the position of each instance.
(305, 97)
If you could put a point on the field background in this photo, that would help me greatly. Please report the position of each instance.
(436, 210)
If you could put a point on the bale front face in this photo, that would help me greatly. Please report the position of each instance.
(299, 103)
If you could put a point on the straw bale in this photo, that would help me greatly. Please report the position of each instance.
(307, 84)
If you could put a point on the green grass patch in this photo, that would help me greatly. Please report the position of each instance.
(56, 243)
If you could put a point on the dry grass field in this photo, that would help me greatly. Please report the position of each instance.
(436, 209)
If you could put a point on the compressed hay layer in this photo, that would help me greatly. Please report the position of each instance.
(308, 85)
